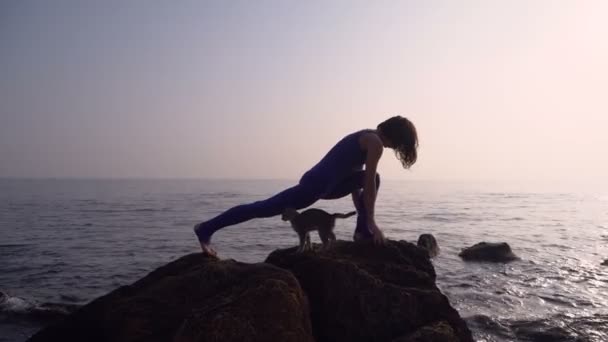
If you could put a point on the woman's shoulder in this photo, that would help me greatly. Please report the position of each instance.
(363, 132)
(368, 134)
(369, 139)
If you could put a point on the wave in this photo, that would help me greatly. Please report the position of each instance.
(447, 217)
(507, 195)
(559, 327)
(14, 245)
(124, 210)
(22, 308)
(513, 219)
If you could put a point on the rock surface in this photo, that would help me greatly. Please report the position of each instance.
(486, 251)
(195, 298)
(605, 263)
(362, 292)
(353, 292)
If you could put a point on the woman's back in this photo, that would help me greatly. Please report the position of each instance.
(344, 157)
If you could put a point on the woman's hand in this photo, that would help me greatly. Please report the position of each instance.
(378, 234)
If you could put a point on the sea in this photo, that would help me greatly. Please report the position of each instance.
(64, 242)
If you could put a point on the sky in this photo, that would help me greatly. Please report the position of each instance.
(498, 90)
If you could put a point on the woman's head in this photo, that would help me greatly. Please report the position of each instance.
(400, 135)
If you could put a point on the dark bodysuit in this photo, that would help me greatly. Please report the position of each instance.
(338, 174)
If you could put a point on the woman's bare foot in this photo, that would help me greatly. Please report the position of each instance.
(208, 250)
(358, 237)
(361, 237)
(204, 242)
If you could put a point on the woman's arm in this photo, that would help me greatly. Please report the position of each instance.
(373, 146)
(355, 196)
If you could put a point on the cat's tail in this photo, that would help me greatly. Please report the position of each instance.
(338, 215)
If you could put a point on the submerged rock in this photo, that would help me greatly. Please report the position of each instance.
(428, 242)
(487, 251)
(352, 292)
(195, 298)
(362, 292)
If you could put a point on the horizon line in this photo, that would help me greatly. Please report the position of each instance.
(544, 180)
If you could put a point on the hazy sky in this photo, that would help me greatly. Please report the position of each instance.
(513, 89)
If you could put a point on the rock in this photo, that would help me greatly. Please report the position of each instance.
(50, 312)
(486, 251)
(438, 332)
(352, 292)
(195, 298)
(362, 292)
(605, 263)
(428, 242)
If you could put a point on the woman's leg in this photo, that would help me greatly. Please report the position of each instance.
(354, 185)
(299, 196)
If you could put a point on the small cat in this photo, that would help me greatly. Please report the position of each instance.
(313, 219)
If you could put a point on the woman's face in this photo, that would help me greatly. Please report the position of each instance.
(387, 142)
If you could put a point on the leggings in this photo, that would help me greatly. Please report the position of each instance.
(300, 196)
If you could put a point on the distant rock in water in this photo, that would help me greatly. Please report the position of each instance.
(362, 292)
(487, 251)
(353, 292)
(605, 263)
(428, 242)
(195, 298)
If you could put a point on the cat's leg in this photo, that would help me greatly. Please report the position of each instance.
(331, 238)
(308, 244)
(324, 238)
(302, 245)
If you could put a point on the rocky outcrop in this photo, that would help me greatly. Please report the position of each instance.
(362, 292)
(352, 292)
(486, 251)
(195, 298)
(429, 243)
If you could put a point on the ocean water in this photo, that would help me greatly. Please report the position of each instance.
(65, 242)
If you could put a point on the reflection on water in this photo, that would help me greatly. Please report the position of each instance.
(67, 242)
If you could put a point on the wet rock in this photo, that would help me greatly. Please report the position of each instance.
(195, 298)
(605, 263)
(362, 292)
(428, 242)
(486, 251)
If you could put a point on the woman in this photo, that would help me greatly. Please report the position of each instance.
(338, 174)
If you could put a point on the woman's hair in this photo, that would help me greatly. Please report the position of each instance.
(402, 135)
